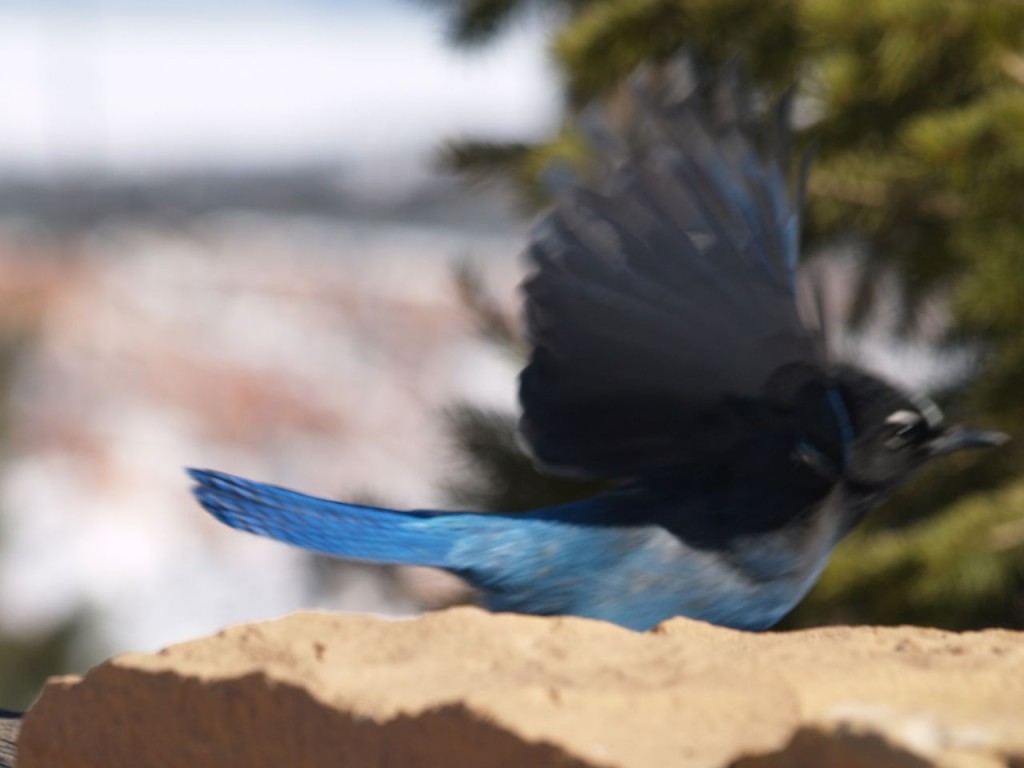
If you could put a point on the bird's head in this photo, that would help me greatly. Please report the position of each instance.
(896, 433)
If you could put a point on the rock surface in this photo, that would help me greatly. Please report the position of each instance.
(465, 688)
(10, 724)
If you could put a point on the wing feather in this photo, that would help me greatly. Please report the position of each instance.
(662, 310)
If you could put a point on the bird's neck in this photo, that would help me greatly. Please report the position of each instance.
(853, 502)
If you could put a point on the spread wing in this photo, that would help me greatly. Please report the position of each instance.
(662, 311)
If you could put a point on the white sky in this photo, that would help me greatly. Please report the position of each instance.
(161, 89)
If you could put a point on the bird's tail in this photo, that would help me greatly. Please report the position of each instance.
(334, 528)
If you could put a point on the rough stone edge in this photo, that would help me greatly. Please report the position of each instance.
(199, 718)
(10, 726)
(838, 746)
(859, 745)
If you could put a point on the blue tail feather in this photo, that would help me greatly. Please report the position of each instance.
(330, 527)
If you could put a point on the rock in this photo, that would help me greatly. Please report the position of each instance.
(465, 688)
(10, 724)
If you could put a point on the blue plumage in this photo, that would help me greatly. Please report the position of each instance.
(613, 557)
(669, 355)
(330, 527)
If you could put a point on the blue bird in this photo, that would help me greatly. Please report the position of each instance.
(669, 356)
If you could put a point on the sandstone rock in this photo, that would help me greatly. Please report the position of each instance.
(465, 688)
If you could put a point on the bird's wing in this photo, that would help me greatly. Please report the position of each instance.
(662, 311)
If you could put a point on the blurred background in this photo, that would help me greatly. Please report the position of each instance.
(282, 239)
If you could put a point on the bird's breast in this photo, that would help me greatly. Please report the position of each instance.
(770, 573)
(751, 582)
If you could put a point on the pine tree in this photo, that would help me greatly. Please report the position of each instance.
(918, 120)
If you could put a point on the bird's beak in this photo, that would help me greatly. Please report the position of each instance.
(957, 438)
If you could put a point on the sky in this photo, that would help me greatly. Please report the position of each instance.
(125, 87)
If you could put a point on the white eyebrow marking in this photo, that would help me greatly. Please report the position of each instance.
(903, 417)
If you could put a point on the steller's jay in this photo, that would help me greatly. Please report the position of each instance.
(669, 354)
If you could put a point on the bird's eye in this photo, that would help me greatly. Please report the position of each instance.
(906, 426)
(904, 434)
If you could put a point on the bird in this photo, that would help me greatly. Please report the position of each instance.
(670, 357)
